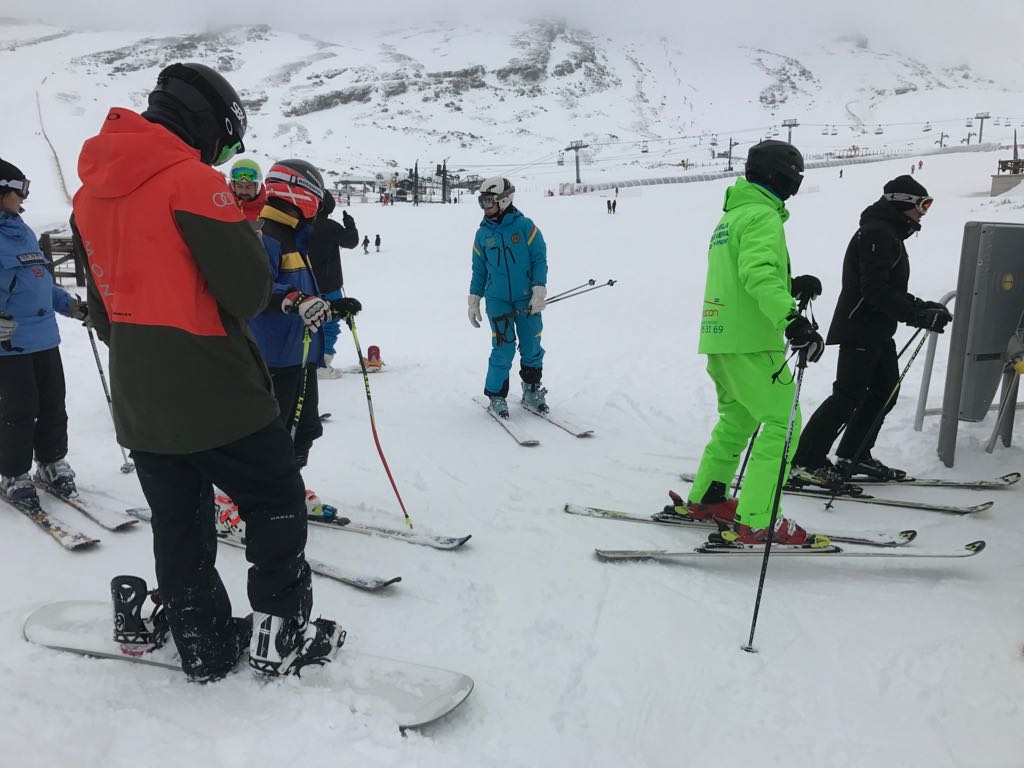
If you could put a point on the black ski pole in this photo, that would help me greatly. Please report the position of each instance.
(591, 281)
(852, 464)
(567, 295)
(800, 365)
(127, 466)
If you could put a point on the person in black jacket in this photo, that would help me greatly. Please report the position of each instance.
(873, 300)
(324, 243)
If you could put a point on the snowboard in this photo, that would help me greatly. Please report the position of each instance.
(412, 694)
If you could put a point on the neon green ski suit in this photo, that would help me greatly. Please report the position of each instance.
(747, 304)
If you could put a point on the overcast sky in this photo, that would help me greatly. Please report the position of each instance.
(940, 30)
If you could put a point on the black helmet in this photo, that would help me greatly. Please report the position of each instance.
(208, 108)
(777, 165)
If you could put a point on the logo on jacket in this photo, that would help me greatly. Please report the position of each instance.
(37, 272)
(489, 242)
(515, 238)
(32, 257)
(223, 199)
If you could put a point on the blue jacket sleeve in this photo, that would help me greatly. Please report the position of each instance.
(479, 279)
(61, 299)
(277, 294)
(538, 254)
(7, 277)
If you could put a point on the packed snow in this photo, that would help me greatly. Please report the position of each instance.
(576, 662)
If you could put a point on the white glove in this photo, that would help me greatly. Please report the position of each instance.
(313, 310)
(474, 311)
(538, 300)
(8, 324)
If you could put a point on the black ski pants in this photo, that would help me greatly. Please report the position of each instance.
(32, 412)
(259, 473)
(288, 387)
(865, 377)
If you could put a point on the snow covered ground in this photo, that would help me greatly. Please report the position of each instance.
(576, 662)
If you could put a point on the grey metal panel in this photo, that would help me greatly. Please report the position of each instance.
(995, 314)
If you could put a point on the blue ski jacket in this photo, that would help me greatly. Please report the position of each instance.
(27, 290)
(279, 335)
(509, 258)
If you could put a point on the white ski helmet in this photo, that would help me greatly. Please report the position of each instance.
(496, 190)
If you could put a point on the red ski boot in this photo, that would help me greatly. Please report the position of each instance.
(713, 508)
(787, 532)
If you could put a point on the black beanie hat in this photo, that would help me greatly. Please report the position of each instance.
(908, 186)
(10, 172)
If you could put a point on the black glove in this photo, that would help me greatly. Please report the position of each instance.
(347, 221)
(805, 338)
(931, 318)
(805, 287)
(345, 306)
(930, 305)
(78, 310)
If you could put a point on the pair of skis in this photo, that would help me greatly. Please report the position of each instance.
(66, 535)
(883, 543)
(1006, 481)
(521, 434)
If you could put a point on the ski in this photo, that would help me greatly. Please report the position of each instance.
(568, 426)
(365, 583)
(337, 522)
(512, 427)
(61, 532)
(781, 550)
(817, 493)
(879, 539)
(112, 520)
(1003, 481)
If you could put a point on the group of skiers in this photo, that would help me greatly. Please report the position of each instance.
(217, 307)
(752, 309)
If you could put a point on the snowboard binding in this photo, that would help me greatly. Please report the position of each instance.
(135, 634)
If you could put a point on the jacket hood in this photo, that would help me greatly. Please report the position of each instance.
(884, 212)
(744, 192)
(128, 151)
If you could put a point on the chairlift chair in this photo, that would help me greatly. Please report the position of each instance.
(969, 123)
(927, 127)
(561, 158)
(643, 146)
(834, 131)
(824, 131)
(879, 130)
(714, 140)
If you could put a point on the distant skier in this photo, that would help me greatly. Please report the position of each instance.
(608, 205)
(874, 298)
(749, 307)
(179, 305)
(366, 244)
(913, 167)
(510, 270)
(376, 242)
(33, 418)
(920, 164)
(840, 173)
(615, 205)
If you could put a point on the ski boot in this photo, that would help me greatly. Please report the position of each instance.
(826, 476)
(284, 646)
(229, 522)
(135, 634)
(499, 405)
(372, 360)
(59, 476)
(19, 489)
(871, 467)
(786, 532)
(714, 507)
(328, 371)
(533, 397)
(317, 509)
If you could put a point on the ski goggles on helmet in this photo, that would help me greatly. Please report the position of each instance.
(245, 174)
(227, 152)
(17, 185)
(487, 199)
(921, 202)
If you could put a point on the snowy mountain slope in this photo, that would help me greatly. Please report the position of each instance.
(474, 94)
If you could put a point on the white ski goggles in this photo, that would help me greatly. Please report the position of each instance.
(922, 203)
(17, 185)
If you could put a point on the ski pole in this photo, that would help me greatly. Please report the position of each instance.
(591, 281)
(848, 472)
(350, 321)
(568, 295)
(128, 466)
(297, 413)
(800, 365)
